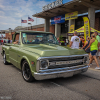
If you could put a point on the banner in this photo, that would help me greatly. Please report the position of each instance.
(30, 19)
(72, 15)
(72, 28)
(86, 27)
(23, 21)
(9, 33)
(58, 19)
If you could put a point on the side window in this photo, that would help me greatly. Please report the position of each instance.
(17, 39)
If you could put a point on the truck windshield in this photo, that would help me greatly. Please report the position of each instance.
(38, 38)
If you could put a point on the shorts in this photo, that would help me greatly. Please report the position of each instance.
(93, 53)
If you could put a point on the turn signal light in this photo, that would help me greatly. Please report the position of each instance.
(32, 63)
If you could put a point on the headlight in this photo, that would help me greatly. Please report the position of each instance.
(44, 64)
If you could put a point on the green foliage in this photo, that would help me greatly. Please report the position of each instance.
(60, 38)
(62, 41)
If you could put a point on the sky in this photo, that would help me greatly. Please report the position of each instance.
(11, 12)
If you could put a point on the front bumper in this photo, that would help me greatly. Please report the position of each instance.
(59, 72)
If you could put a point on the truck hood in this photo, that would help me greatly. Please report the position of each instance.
(52, 50)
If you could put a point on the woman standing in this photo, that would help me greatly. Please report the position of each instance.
(93, 50)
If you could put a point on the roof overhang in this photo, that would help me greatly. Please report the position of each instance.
(76, 5)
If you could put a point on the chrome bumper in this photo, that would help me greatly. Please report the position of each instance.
(59, 72)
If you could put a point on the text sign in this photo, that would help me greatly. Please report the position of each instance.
(86, 27)
(72, 15)
(58, 19)
(52, 5)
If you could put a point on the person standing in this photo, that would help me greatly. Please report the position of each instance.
(83, 40)
(80, 41)
(58, 40)
(98, 38)
(75, 41)
(86, 45)
(2, 41)
(93, 50)
(8, 40)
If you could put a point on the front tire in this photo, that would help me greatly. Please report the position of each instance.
(4, 59)
(26, 72)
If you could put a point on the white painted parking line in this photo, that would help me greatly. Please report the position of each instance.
(55, 84)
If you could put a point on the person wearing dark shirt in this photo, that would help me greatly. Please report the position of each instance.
(8, 40)
(86, 45)
(37, 40)
(81, 41)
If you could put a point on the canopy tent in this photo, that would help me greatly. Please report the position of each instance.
(81, 31)
(2, 35)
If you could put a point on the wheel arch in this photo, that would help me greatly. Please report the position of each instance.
(23, 59)
(3, 52)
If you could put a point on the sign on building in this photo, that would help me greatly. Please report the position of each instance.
(58, 19)
(86, 27)
(72, 15)
(72, 28)
(52, 5)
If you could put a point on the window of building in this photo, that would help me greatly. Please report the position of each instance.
(79, 23)
(64, 27)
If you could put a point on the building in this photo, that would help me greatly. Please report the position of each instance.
(57, 9)
(2, 34)
(55, 12)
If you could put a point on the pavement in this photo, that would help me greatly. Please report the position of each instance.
(93, 65)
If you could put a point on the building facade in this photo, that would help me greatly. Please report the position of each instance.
(81, 6)
(56, 21)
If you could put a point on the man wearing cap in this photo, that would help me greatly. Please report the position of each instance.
(75, 41)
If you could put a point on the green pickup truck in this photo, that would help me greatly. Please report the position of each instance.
(39, 56)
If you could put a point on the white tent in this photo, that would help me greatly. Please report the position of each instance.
(2, 35)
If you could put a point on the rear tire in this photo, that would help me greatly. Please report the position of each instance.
(26, 72)
(4, 59)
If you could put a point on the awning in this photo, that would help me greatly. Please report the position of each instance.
(81, 31)
(75, 5)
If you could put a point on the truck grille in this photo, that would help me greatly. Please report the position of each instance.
(65, 62)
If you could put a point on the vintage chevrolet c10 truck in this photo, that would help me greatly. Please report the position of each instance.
(39, 56)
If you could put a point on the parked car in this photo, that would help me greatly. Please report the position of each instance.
(39, 56)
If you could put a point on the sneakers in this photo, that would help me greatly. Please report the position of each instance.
(97, 68)
(88, 65)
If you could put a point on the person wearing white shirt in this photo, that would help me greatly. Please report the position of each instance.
(75, 41)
